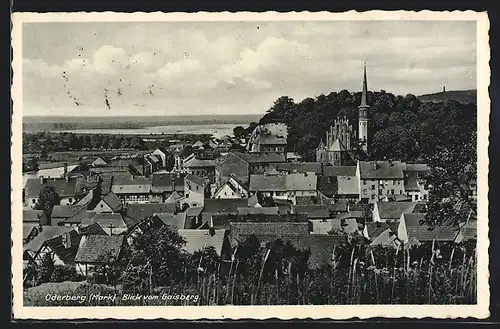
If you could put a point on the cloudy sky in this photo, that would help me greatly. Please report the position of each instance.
(179, 68)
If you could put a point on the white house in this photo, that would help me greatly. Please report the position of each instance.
(194, 191)
(231, 189)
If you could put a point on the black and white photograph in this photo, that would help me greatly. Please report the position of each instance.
(321, 161)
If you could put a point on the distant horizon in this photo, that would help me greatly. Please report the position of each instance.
(194, 115)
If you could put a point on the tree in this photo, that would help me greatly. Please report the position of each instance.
(47, 199)
(239, 132)
(33, 164)
(154, 258)
(96, 141)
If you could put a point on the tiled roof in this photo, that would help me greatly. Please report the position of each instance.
(177, 221)
(375, 229)
(413, 219)
(198, 163)
(420, 167)
(385, 238)
(65, 211)
(113, 201)
(328, 185)
(93, 229)
(138, 185)
(85, 184)
(27, 228)
(320, 245)
(411, 181)
(141, 211)
(196, 180)
(426, 233)
(193, 211)
(105, 220)
(347, 185)
(267, 182)
(394, 210)
(283, 182)
(310, 200)
(278, 229)
(99, 248)
(57, 172)
(261, 157)
(268, 139)
(381, 169)
(223, 205)
(79, 216)
(47, 233)
(33, 216)
(167, 182)
(298, 167)
(67, 255)
(339, 171)
(63, 188)
(258, 210)
(197, 240)
(320, 226)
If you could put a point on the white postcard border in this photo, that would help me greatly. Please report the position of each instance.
(481, 310)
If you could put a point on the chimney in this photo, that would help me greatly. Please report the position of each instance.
(211, 231)
(66, 171)
(66, 240)
(444, 89)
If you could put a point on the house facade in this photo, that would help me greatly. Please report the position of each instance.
(194, 191)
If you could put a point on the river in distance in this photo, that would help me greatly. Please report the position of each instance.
(211, 129)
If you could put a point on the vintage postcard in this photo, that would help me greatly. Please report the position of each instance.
(250, 165)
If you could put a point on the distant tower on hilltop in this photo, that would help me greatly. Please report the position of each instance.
(363, 112)
(444, 89)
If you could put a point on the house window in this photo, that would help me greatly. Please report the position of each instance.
(187, 196)
(101, 205)
(373, 186)
(33, 201)
(400, 191)
(373, 196)
(392, 191)
(416, 197)
(197, 187)
(393, 182)
(364, 191)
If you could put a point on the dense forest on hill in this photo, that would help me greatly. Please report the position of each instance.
(401, 128)
(461, 96)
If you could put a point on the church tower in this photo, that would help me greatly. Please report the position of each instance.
(363, 112)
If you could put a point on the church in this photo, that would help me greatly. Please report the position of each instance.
(340, 143)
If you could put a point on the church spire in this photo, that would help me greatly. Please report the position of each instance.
(365, 90)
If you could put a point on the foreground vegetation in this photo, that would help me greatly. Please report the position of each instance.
(274, 273)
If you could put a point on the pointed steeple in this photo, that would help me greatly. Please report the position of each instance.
(365, 90)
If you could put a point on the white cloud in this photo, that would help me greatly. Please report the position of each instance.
(244, 66)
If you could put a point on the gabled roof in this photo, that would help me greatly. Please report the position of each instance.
(99, 248)
(67, 255)
(193, 211)
(283, 182)
(79, 216)
(196, 180)
(426, 233)
(381, 169)
(387, 238)
(99, 162)
(173, 197)
(46, 233)
(411, 181)
(261, 157)
(298, 167)
(277, 229)
(177, 221)
(64, 211)
(32, 216)
(321, 211)
(198, 163)
(113, 201)
(105, 221)
(92, 229)
(139, 185)
(328, 185)
(269, 139)
(57, 172)
(63, 188)
(347, 185)
(394, 210)
(376, 228)
(223, 206)
(336, 146)
(85, 184)
(197, 240)
(258, 210)
(413, 219)
(339, 171)
(310, 200)
(141, 211)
